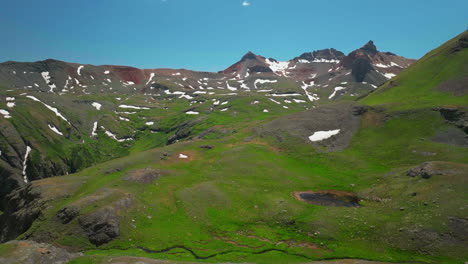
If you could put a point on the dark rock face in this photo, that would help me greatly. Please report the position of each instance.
(360, 68)
(159, 87)
(455, 116)
(259, 68)
(100, 226)
(425, 171)
(25, 204)
(462, 43)
(33, 252)
(207, 147)
(22, 207)
(66, 214)
(183, 130)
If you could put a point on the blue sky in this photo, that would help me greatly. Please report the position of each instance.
(209, 35)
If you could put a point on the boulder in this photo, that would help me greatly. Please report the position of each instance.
(425, 170)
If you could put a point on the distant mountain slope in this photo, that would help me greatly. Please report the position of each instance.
(59, 117)
(439, 78)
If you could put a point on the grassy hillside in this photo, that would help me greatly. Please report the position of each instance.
(419, 86)
(235, 200)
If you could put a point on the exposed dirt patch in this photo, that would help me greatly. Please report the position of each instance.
(344, 117)
(328, 198)
(33, 252)
(145, 175)
(457, 87)
(373, 119)
(451, 136)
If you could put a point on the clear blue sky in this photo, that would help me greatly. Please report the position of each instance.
(212, 34)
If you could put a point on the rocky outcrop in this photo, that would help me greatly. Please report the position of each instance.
(22, 207)
(33, 252)
(455, 116)
(67, 214)
(25, 204)
(101, 226)
(360, 68)
(425, 171)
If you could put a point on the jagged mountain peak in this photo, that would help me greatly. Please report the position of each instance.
(369, 47)
(249, 56)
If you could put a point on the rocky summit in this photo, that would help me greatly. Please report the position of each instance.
(324, 158)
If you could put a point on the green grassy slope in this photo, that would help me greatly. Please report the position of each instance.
(416, 87)
(236, 199)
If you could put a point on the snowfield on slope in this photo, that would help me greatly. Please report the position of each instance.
(321, 135)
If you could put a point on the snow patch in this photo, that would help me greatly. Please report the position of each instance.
(53, 128)
(285, 95)
(230, 87)
(53, 109)
(278, 66)
(321, 135)
(389, 75)
(5, 113)
(134, 107)
(97, 105)
(150, 78)
(25, 165)
(46, 77)
(311, 97)
(93, 133)
(192, 113)
(260, 81)
(79, 70)
(274, 101)
(338, 88)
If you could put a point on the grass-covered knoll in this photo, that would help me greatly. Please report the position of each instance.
(424, 84)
